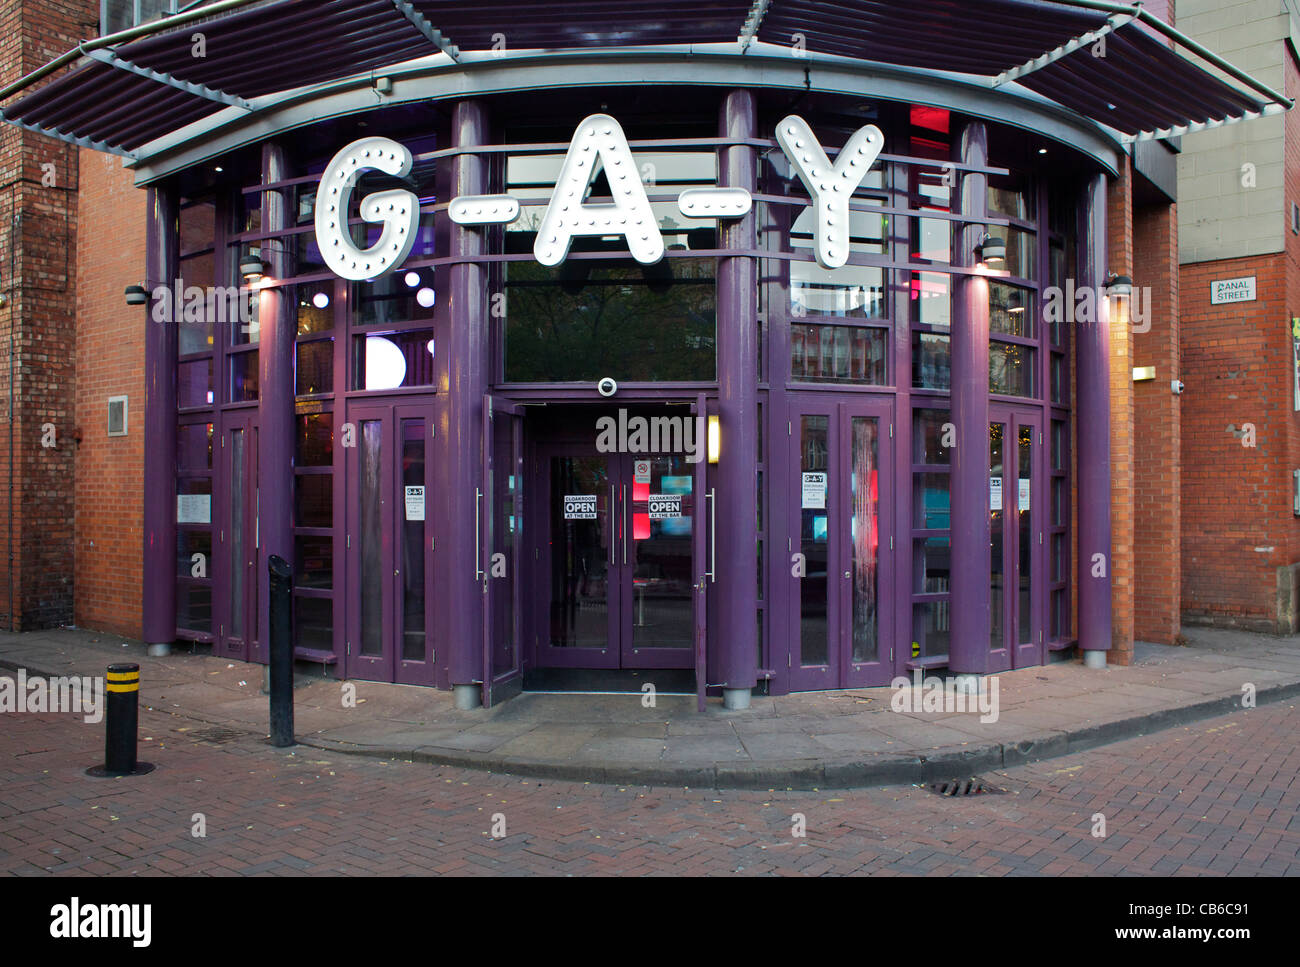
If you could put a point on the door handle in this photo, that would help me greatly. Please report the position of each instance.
(478, 548)
(712, 572)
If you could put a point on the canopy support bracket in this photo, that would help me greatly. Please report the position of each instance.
(432, 34)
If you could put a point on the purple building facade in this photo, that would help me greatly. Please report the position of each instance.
(819, 439)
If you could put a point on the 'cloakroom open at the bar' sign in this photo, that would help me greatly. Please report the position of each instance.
(598, 142)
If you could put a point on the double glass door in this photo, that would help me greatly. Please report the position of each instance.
(388, 533)
(620, 585)
(1017, 591)
(841, 558)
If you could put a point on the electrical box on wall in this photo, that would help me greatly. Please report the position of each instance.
(117, 415)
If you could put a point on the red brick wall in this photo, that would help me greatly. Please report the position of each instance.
(110, 362)
(1119, 228)
(1157, 504)
(38, 246)
(1236, 363)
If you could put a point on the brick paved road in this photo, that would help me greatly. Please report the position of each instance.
(1219, 797)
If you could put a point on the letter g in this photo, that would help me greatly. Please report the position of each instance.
(397, 209)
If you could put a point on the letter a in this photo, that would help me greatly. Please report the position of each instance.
(830, 186)
(598, 142)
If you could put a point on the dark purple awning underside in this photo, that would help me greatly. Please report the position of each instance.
(1141, 85)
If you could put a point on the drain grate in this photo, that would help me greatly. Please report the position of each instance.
(217, 735)
(964, 787)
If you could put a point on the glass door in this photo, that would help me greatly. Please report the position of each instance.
(236, 564)
(842, 497)
(501, 538)
(585, 540)
(1016, 535)
(386, 543)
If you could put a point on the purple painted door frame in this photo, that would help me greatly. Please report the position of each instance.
(236, 632)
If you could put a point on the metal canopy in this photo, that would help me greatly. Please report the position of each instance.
(134, 87)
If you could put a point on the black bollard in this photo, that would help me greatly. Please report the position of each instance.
(121, 724)
(281, 648)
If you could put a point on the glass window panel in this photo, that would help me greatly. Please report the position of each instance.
(313, 623)
(314, 562)
(814, 452)
(314, 444)
(1058, 557)
(931, 628)
(194, 446)
(315, 307)
(585, 319)
(1058, 378)
(247, 213)
(850, 354)
(189, 543)
(1025, 482)
(1022, 251)
(851, 290)
(1059, 502)
(237, 505)
(931, 299)
(931, 560)
(931, 361)
(997, 432)
(411, 589)
(1060, 445)
(194, 607)
(243, 376)
(1060, 614)
(314, 367)
(370, 536)
(1011, 369)
(1011, 201)
(400, 296)
(930, 501)
(1011, 310)
(313, 500)
(197, 229)
(928, 436)
(865, 532)
(393, 360)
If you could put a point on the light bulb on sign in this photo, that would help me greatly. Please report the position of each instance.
(320, 300)
(425, 297)
(385, 364)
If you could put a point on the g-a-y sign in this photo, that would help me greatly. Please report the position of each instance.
(598, 141)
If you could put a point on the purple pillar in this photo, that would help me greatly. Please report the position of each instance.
(461, 339)
(970, 571)
(1092, 419)
(160, 348)
(277, 320)
(737, 341)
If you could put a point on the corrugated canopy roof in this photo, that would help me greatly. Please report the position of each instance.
(139, 85)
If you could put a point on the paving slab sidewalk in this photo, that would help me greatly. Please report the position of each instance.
(843, 738)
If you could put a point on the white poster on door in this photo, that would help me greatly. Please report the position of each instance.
(194, 508)
(641, 471)
(814, 491)
(1023, 499)
(995, 493)
(580, 507)
(665, 506)
(415, 503)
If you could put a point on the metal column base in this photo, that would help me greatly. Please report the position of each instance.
(1094, 659)
(161, 650)
(736, 699)
(468, 696)
(967, 684)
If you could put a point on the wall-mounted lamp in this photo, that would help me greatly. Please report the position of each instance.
(251, 267)
(715, 438)
(1143, 373)
(136, 295)
(1120, 286)
(991, 250)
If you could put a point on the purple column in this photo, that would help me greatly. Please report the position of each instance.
(737, 354)
(160, 348)
(277, 320)
(1092, 419)
(461, 339)
(970, 570)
